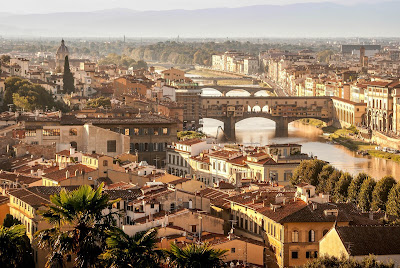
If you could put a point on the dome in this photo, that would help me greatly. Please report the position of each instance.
(62, 49)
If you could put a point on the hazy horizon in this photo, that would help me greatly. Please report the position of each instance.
(49, 6)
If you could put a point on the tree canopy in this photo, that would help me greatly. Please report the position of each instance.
(381, 193)
(365, 195)
(27, 96)
(308, 171)
(99, 102)
(68, 78)
(355, 185)
(122, 61)
(330, 262)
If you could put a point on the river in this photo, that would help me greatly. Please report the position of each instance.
(261, 131)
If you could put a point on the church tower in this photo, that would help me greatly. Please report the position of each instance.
(62, 52)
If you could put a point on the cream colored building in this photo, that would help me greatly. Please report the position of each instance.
(348, 113)
(85, 138)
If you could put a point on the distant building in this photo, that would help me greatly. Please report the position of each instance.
(62, 52)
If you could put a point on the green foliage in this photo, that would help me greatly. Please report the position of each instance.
(308, 172)
(365, 195)
(195, 256)
(15, 247)
(381, 193)
(4, 59)
(330, 262)
(68, 78)
(99, 102)
(188, 135)
(27, 96)
(323, 178)
(122, 61)
(9, 221)
(332, 180)
(81, 211)
(355, 185)
(131, 251)
(324, 56)
(341, 187)
(393, 203)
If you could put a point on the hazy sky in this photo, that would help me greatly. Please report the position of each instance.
(48, 6)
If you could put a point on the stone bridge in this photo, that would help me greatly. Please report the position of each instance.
(250, 90)
(282, 110)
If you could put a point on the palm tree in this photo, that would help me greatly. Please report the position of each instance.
(132, 251)
(15, 247)
(195, 256)
(79, 226)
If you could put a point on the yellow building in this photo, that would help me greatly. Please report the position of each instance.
(289, 226)
(348, 113)
(358, 242)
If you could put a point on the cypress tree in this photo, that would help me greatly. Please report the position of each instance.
(68, 78)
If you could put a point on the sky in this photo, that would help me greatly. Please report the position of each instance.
(50, 6)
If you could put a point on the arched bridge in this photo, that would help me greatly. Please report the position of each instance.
(282, 110)
(224, 90)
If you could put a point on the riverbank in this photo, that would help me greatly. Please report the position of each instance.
(348, 137)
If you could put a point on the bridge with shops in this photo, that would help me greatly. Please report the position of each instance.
(282, 110)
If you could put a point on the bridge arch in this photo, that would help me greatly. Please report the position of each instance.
(239, 92)
(256, 109)
(262, 93)
(265, 109)
(210, 92)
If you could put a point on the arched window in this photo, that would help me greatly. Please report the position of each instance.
(295, 236)
(325, 232)
(74, 145)
(73, 132)
(311, 236)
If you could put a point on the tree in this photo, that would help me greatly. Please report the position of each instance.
(9, 221)
(332, 180)
(81, 211)
(99, 102)
(68, 78)
(341, 187)
(323, 178)
(393, 203)
(308, 172)
(381, 193)
(355, 185)
(15, 247)
(27, 96)
(365, 196)
(131, 251)
(195, 256)
(330, 262)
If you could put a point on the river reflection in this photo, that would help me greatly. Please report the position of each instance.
(261, 131)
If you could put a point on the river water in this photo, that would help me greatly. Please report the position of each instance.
(261, 131)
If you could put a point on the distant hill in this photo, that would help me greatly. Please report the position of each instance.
(297, 20)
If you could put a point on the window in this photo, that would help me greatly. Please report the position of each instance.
(51, 132)
(73, 132)
(295, 254)
(311, 236)
(193, 228)
(308, 254)
(233, 250)
(145, 131)
(151, 205)
(105, 163)
(156, 131)
(136, 131)
(112, 146)
(295, 236)
(165, 131)
(30, 133)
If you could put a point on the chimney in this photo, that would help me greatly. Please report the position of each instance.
(71, 150)
(314, 206)
(67, 174)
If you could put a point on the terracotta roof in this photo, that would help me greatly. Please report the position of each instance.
(190, 142)
(365, 240)
(64, 152)
(60, 175)
(22, 179)
(124, 194)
